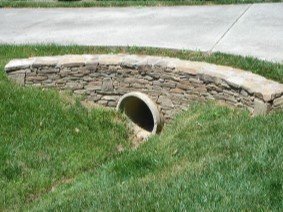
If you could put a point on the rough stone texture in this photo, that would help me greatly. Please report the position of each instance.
(260, 107)
(172, 83)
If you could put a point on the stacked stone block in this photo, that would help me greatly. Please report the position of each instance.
(172, 83)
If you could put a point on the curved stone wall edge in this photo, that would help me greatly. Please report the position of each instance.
(172, 83)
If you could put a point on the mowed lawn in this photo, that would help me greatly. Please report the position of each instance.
(208, 158)
(57, 155)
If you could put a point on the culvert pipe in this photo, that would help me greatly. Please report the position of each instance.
(141, 111)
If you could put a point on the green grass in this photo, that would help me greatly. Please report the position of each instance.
(209, 158)
(57, 155)
(120, 3)
(46, 139)
(45, 142)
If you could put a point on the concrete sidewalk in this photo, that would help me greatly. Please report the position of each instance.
(253, 29)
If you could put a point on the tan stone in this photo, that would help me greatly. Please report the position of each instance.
(260, 108)
(110, 59)
(164, 78)
(18, 78)
(165, 102)
(71, 61)
(110, 98)
(36, 78)
(107, 84)
(18, 64)
(133, 61)
(177, 90)
(74, 85)
(278, 101)
(46, 61)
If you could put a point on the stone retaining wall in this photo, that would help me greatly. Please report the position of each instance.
(170, 82)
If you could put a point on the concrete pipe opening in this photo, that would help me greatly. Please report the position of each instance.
(141, 111)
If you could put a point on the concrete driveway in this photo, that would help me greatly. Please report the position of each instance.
(251, 29)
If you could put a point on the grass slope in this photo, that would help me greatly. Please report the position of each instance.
(46, 140)
(55, 154)
(209, 158)
(120, 3)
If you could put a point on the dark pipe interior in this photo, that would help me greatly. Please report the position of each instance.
(138, 112)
